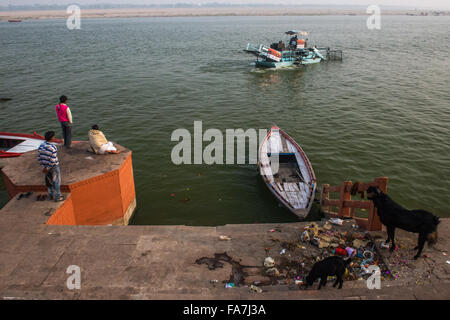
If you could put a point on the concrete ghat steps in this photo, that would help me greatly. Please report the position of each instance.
(439, 292)
(157, 262)
(425, 292)
(27, 213)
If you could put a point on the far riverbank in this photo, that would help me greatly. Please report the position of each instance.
(195, 12)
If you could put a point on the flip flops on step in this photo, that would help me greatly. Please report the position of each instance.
(24, 195)
(41, 197)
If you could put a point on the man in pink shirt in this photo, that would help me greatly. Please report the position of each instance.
(65, 117)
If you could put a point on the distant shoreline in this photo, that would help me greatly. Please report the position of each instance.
(197, 12)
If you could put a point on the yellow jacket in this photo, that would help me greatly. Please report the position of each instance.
(96, 139)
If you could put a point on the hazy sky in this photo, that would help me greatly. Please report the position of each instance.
(438, 4)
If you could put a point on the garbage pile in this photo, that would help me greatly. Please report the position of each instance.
(350, 243)
(315, 243)
(289, 257)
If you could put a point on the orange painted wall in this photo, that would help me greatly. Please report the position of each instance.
(13, 189)
(99, 200)
(126, 179)
(64, 215)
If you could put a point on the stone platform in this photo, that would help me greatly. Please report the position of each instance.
(100, 187)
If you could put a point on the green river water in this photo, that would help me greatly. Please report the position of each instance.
(383, 111)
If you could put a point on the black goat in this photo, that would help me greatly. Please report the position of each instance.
(331, 266)
(392, 215)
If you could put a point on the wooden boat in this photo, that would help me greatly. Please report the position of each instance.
(287, 172)
(14, 144)
(14, 20)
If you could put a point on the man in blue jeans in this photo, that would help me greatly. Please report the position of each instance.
(48, 158)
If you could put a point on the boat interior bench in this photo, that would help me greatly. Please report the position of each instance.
(288, 170)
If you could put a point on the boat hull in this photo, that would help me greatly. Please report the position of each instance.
(293, 182)
(310, 61)
(276, 65)
(14, 144)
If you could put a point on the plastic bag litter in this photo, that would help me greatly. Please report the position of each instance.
(269, 262)
(368, 255)
(273, 272)
(327, 226)
(336, 221)
(315, 241)
(359, 243)
(314, 228)
(350, 251)
(364, 270)
(255, 289)
(321, 243)
(305, 236)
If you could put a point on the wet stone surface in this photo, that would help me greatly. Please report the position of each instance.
(432, 267)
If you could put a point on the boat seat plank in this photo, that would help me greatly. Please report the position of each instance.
(294, 199)
(280, 186)
(284, 144)
(291, 186)
(301, 163)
